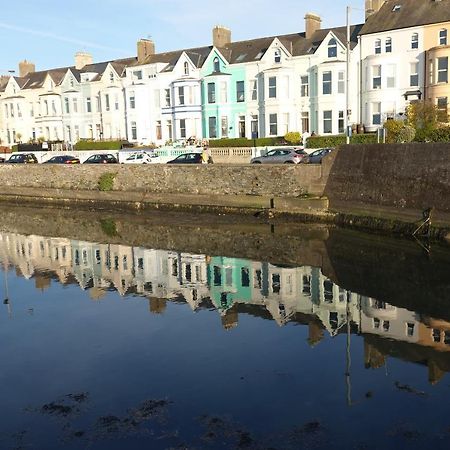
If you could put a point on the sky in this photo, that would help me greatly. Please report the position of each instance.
(50, 32)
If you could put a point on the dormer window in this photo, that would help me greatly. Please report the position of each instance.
(443, 37)
(216, 64)
(378, 46)
(277, 56)
(332, 48)
(388, 45)
(396, 8)
(414, 41)
(186, 68)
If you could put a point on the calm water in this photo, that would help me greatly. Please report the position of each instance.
(117, 346)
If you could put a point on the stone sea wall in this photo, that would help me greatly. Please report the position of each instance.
(399, 176)
(275, 180)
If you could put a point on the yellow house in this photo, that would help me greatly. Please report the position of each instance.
(437, 81)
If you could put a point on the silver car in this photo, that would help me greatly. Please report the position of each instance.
(280, 156)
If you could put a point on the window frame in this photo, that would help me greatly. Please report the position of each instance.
(272, 85)
(211, 92)
(273, 124)
(327, 83)
(332, 48)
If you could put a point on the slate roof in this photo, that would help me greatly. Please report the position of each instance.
(296, 44)
(235, 52)
(397, 14)
(35, 80)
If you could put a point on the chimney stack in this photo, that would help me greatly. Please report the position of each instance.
(221, 36)
(82, 59)
(312, 24)
(373, 6)
(26, 67)
(145, 48)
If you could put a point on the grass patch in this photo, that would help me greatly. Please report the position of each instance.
(106, 181)
(109, 227)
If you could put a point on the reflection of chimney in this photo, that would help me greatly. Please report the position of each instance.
(312, 24)
(230, 319)
(373, 6)
(26, 67)
(41, 282)
(434, 372)
(145, 48)
(315, 333)
(82, 59)
(221, 36)
(157, 305)
(373, 358)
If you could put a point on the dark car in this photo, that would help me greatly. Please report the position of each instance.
(316, 156)
(22, 158)
(187, 158)
(63, 159)
(101, 159)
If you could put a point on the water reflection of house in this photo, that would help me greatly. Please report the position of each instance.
(187, 277)
(235, 286)
(385, 320)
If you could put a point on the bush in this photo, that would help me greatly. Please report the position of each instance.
(244, 142)
(335, 141)
(439, 135)
(398, 131)
(106, 181)
(406, 134)
(98, 145)
(293, 138)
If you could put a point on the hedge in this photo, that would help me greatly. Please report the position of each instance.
(335, 141)
(98, 145)
(244, 142)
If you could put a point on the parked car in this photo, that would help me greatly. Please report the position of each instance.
(101, 159)
(187, 158)
(142, 158)
(22, 158)
(63, 159)
(280, 156)
(316, 156)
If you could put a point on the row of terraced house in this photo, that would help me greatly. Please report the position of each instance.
(256, 88)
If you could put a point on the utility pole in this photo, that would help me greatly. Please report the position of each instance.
(347, 84)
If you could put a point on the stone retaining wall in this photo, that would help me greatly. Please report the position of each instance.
(275, 180)
(395, 176)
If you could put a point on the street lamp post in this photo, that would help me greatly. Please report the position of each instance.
(347, 79)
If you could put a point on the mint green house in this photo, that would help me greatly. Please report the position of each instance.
(223, 98)
(229, 280)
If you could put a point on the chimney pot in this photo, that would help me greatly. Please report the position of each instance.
(221, 36)
(312, 24)
(26, 67)
(82, 59)
(145, 48)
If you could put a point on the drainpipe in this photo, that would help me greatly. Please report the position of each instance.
(425, 75)
(360, 82)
